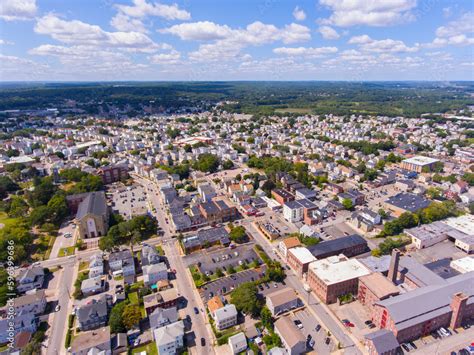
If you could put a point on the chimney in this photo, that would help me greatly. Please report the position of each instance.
(458, 307)
(393, 270)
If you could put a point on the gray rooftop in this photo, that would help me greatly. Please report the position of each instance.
(94, 203)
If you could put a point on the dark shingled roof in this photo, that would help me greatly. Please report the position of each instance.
(384, 340)
(408, 202)
(94, 203)
(335, 246)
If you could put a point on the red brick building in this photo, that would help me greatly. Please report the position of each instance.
(375, 287)
(419, 312)
(113, 173)
(282, 196)
(335, 276)
(298, 258)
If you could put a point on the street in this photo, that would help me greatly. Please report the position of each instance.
(319, 309)
(186, 289)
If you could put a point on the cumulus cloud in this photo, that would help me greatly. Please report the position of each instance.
(4, 42)
(199, 31)
(328, 32)
(141, 8)
(456, 33)
(368, 44)
(228, 42)
(12, 10)
(80, 33)
(172, 57)
(16, 68)
(347, 13)
(125, 23)
(305, 51)
(299, 14)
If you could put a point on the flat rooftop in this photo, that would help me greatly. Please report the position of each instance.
(466, 264)
(420, 160)
(302, 254)
(464, 224)
(336, 269)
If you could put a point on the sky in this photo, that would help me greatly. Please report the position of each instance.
(201, 40)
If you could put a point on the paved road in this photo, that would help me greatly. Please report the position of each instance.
(320, 310)
(59, 324)
(185, 285)
(446, 345)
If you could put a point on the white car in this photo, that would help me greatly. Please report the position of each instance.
(67, 235)
(57, 308)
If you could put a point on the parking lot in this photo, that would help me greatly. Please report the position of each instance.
(277, 221)
(340, 230)
(445, 249)
(309, 325)
(222, 258)
(228, 283)
(129, 201)
(356, 314)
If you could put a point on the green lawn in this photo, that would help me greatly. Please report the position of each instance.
(160, 250)
(149, 348)
(83, 265)
(66, 251)
(8, 221)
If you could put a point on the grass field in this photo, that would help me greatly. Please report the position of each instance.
(66, 251)
(7, 221)
(293, 110)
(150, 349)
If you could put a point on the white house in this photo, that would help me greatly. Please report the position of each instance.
(154, 273)
(225, 317)
(169, 338)
(237, 343)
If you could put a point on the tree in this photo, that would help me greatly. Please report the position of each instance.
(347, 203)
(106, 243)
(207, 162)
(238, 234)
(219, 272)
(245, 298)
(131, 316)
(18, 207)
(227, 164)
(116, 321)
(266, 317)
(7, 185)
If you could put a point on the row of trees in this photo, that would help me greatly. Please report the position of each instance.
(131, 232)
(434, 212)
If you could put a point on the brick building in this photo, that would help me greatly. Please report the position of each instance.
(298, 258)
(375, 287)
(282, 196)
(351, 245)
(218, 211)
(419, 312)
(335, 276)
(113, 173)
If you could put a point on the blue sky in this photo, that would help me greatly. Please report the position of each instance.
(84, 40)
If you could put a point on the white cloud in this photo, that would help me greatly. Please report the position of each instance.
(299, 14)
(328, 32)
(16, 68)
(11, 10)
(347, 13)
(80, 33)
(122, 22)
(305, 51)
(4, 42)
(368, 44)
(141, 9)
(200, 31)
(228, 42)
(456, 33)
(172, 57)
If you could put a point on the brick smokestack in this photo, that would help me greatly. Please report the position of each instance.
(393, 270)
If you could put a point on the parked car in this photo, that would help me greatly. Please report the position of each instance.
(203, 342)
(57, 308)
(318, 328)
(196, 310)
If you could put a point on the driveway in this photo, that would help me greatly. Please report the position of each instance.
(61, 241)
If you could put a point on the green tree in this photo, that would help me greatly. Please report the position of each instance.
(245, 299)
(227, 164)
(347, 203)
(238, 234)
(266, 317)
(116, 321)
(131, 316)
(207, 162)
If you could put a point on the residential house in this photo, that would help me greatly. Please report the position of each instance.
(281, 301)
(237, 343)
(122, 263)
(96, 265)
(93, 286)
(30, 279)
(163, 316)
(92, 315)
(149, 255)
(92, 342)
(225, 317)
(169, 338)
(291, 337)
(154, 273)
